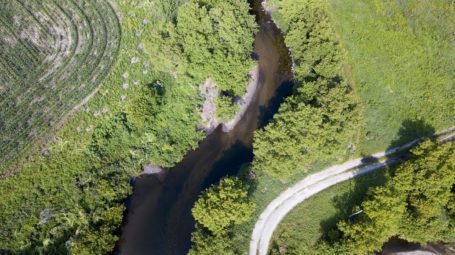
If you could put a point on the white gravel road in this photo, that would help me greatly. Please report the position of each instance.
(288, 199)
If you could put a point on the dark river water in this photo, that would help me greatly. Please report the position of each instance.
(159, 219)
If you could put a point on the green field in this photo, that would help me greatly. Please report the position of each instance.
(402, 54)
(53, 54)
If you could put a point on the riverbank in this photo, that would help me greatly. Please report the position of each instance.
(209, 90)
(159, 217)
(245, 101)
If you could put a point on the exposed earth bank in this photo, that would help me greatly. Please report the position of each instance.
(210, 92)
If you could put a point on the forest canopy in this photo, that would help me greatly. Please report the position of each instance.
(217, 210)
(416, 204)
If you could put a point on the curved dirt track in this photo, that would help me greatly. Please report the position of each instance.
(276, 210)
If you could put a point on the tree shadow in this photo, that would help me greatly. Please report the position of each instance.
(347, 204)
(266, 113)
(368, 159)
(411, 130)
(230, 164)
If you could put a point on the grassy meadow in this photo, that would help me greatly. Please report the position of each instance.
(402, 55)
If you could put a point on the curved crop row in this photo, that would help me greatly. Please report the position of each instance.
(53, 55)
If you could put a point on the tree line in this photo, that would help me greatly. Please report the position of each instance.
(319, 121)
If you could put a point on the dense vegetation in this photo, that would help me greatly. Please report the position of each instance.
(319, 121)
(314, 219)
(415, 204)
(316, 124)
(402, 55)
(216, 211)
(216, 39)
(70, 198)
(52, 55)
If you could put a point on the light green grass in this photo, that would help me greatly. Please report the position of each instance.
(402, 55)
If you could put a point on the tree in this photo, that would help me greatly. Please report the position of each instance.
(427, 182)
(217, 39)
(416, 203)
(204, 243)
(319, 121)
(382, 218)
(223, 205)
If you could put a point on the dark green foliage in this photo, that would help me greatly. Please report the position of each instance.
(215, 37)
(66, 212)
(416, 203)
(225, 108)
(223, 205)
(205, 243)
(216, 211)
(169, 9)
(109, 139)
(318, 121)
(147, 103)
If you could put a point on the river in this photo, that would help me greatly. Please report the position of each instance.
(159, 219)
